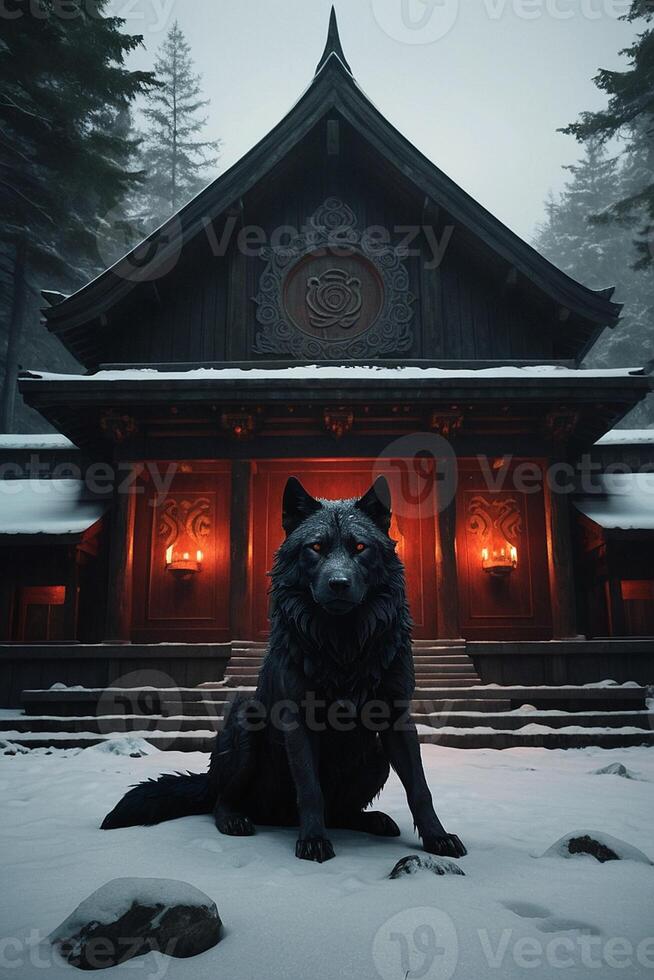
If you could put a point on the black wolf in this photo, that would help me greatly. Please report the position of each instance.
(330, 714)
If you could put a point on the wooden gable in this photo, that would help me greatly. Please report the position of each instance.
(219, 287)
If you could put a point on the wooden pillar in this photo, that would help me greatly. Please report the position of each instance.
(72, 594)
(6, 606)
(560, 561)
(447, 585)
(240, 599)
(121, 561)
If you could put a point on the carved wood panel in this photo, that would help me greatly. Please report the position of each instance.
(334, 479)
(191, 518)
(333, 291)
(491, 522)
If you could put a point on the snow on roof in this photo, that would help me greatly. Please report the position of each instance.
(627, 437)
(625, 501)
(42, 441)
(47, 507)
(317, 372)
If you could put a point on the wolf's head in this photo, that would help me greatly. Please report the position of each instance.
(338, 551)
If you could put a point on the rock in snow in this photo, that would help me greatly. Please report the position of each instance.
(425, 862)
(601, 846)
(614, 769)
(9, 748)
(125, 745)
(129, 917)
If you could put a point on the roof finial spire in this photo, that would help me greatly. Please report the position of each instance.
(333, 46)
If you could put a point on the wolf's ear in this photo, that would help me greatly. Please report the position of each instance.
(297, 505)
(376, 504)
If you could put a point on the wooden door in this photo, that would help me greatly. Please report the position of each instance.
(193, 516)
(511, 606)
(335, 479)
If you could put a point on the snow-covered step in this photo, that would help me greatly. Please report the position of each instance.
(201, 740)
(438, 642)
(125, 724)
(517, 720)
(469, 704)
(573, 737)
(442, 658)
(437, 680)
(444, 718)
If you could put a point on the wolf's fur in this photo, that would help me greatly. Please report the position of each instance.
(340, 636)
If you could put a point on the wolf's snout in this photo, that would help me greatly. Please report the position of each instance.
(339, 584)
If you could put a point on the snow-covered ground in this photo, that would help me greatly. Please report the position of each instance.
(514, 914)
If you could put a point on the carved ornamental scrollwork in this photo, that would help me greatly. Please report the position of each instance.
(241, 424)
(501, 516)
(334, 300)
(338, 421)
(561, 424)
(446, 422)
(190, 519)
(334, 291)
(117, 426)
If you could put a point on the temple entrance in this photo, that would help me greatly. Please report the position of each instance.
(333, 478)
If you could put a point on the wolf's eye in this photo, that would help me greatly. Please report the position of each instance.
(359, 547)
(316, 546)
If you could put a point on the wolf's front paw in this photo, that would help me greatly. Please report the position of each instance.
(314, 849)
(235, 825)
(445, 845)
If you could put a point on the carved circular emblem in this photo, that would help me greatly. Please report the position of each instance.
(334, 300)
(333, 297)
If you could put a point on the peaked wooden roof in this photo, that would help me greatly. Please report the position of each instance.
(334, 89)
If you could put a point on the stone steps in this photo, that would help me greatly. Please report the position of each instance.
(435, 662)
(451, 707)
(202, 741)
(213, 721)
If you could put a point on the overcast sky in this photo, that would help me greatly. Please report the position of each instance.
(480, 86)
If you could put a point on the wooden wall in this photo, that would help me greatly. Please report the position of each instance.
(516, 605)
(202, 609)
(193, 515)
(204, 309)
(413, 529)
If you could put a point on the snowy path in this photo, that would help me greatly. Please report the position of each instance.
(511, 916)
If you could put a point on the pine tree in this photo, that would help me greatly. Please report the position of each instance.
(630, 115)
(62, 82)
(599, 254)
(568, 237)
(175, 160)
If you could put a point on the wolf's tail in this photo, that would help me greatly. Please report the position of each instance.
(166, 798)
